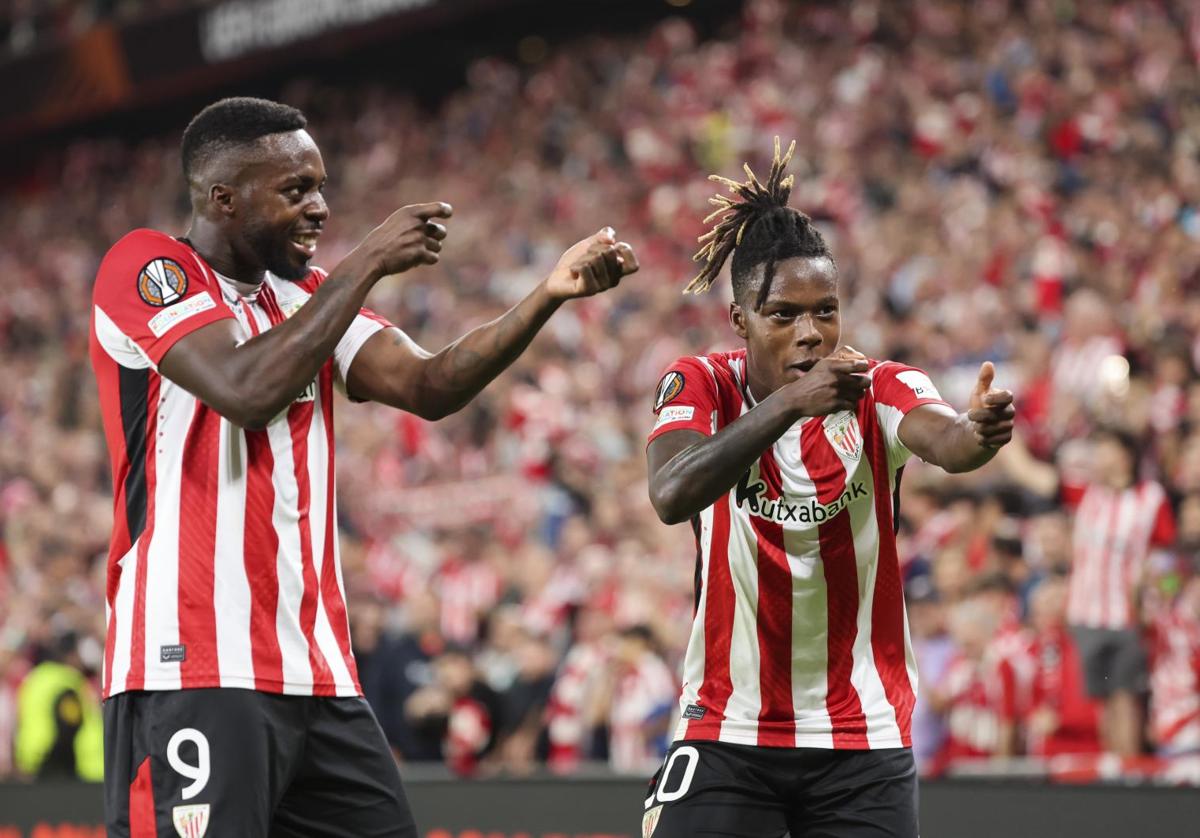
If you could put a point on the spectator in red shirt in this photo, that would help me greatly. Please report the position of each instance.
(1062, 718)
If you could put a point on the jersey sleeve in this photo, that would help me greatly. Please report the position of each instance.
(898, 389)
(150, 291)
(364, 325)
(685, 399)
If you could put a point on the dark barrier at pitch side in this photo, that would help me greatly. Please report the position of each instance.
(610, 808)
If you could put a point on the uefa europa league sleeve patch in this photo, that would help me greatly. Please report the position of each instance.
(670, 387)
(162, 282)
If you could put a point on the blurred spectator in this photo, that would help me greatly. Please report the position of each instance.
(59, 728)
(458, 711)
(393, 665)
(1175, 674)
(968, 696)
(1119, 520)
(1062, 718)
(636, 703)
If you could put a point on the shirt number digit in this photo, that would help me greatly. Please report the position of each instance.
(198, 773)
(693, 759)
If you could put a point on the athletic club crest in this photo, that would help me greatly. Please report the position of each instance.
(650, 821)
(191, 821)
(844, 435)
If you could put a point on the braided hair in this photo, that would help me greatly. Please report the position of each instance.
(758, 227)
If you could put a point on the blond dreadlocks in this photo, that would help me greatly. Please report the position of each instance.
(756, 226)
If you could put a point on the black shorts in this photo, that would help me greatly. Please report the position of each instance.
(232, 763)
(1114, 660)
(713, 788)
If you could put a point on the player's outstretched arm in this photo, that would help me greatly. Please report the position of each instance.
(393, 370)
(959, 442)
(689, 471)
(250, 383)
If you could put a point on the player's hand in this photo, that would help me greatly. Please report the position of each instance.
(990, 411)
(595, 264)
(835, 383)
(409, 237)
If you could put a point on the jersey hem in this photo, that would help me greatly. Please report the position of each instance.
(241, 683)
(715, 731)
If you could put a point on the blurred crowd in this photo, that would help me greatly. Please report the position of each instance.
(29, 25)
(1008, 181)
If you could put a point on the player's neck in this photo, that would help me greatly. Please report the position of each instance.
(215, 249)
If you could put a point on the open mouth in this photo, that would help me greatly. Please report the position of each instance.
(306, 242)
(804, 366)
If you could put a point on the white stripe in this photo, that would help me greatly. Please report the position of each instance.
(693, 662)
(348, 689)
(297, 673)
(123, 608)
(176, 408)
(118, 345)
(318, 470)
(1121, 554)
(745, 700)
(231, 587)
(810, 608)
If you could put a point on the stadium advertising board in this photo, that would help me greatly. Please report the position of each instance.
(609, 808)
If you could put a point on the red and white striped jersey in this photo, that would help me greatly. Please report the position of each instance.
(644, 692)
(1175, 683)
(1114, 533)
(800, 637)
(973, 713)
(223, 569)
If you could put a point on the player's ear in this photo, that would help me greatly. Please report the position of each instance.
(737, 319)
(222, 198)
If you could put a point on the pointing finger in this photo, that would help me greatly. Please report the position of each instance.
(436, 209)
(628, 257)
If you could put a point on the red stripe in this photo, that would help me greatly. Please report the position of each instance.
(331, 593)
(716, 687)
(777, 708)
(841, 582)
(887, 610)
(142, 822)
(300, 417)
(197, 548)
(136, 679)
(266, 299)
(260, 553)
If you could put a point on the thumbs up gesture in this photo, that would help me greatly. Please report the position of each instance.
(990, 411)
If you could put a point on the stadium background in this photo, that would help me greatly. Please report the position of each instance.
(1003, 180)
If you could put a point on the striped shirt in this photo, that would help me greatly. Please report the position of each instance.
(1114, 533)
(799, 638)
(223, 568)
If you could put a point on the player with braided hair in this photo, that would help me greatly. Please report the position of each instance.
(786, 457)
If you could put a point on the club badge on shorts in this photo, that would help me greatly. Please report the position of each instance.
(650, 820)
(162, 282)
(191, 821)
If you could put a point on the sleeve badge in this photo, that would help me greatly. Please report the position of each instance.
(162, 282)
(670, 387)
